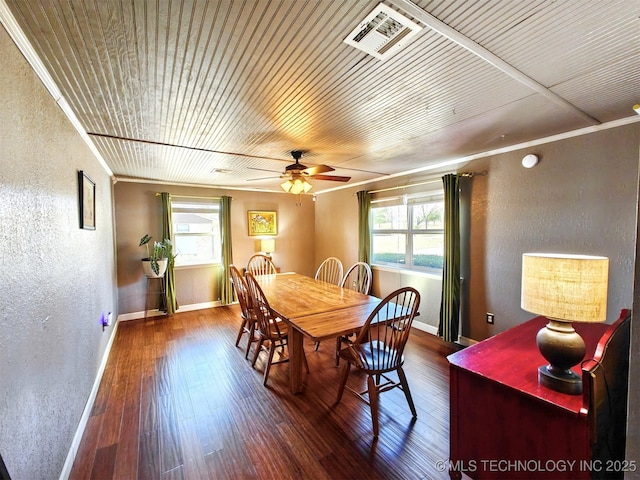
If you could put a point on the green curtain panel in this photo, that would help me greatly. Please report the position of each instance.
(450, 303)
(171, 303)
(226, 291)
(364, 239)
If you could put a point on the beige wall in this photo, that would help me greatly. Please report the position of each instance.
(137, 211)
(58, 280)
(580, 198)
(336, 227)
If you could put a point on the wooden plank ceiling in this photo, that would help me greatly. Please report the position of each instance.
(214, 92)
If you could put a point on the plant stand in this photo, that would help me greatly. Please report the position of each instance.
(151, 292)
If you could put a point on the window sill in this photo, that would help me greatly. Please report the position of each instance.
(197, 265)
(406, 271)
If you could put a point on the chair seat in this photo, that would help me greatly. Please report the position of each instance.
(276, 326)
(372, 357)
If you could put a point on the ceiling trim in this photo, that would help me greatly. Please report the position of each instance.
(518, 146)
(491, 58)
(117, 179)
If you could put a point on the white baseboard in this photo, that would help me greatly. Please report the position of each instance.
(157, 313)
(425, 327)
(464, 341)
(199, 306)
(75, 443)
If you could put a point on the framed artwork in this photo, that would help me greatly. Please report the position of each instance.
(262, 223)
(87, 200)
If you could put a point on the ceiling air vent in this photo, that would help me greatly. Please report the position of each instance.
(383, 32)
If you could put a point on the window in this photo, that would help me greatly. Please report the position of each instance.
(409, 234)
(196, 231)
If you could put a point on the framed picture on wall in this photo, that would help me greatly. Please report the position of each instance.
(87, 201)
(262, 223)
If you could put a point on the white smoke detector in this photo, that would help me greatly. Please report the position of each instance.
(530, 161)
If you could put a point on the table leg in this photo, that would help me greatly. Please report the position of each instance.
(296, 360)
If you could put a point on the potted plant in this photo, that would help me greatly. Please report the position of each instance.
(158, 256)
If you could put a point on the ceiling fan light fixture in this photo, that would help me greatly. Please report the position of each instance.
(286, 186)
(296, 186)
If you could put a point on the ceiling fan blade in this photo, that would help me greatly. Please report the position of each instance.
(262, 178)
(262, 170)
(317, 169)
(335, 178)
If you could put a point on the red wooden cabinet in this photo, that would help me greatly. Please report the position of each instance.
(505, 425)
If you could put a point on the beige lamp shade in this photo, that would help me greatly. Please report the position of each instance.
(267, 245)
(565, 287)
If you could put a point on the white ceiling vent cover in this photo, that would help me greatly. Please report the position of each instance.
(383, 32)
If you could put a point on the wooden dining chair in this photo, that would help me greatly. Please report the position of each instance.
(330, 270)
(357, 278)
(272, 331)
(378, 350)
(260, 264)
(247, 314)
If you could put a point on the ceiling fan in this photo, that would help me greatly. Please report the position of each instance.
(297, 174)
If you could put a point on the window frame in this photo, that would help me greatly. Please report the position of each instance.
(410, 202)
(196, 206)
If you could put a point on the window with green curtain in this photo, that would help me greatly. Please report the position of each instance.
(226, 295)
(364, 215)
(171, 302)
(450, 302)
(408, 232)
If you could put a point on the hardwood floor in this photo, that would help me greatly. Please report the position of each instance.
(178, 400)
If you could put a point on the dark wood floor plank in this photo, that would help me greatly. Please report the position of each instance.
(178, 400)
(83, 463)
(195, 466)
(112, 416)
(104, 463)
(170, 446)
(128, 445)
(149, 456)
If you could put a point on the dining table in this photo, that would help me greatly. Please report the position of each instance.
(313, 308)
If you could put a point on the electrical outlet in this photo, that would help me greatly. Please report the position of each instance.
(105, 320)
(490, 318)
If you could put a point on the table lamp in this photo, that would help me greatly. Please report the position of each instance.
(564, 288)
(267, 245)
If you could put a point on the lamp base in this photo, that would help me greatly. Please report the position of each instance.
(565, 381)
(563, 348)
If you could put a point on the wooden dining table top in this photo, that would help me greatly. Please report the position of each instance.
(314, 309)
(292, 295)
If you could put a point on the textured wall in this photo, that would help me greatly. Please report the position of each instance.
(633, 407)
(57, 278)
(580, 198)
(137, 211)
